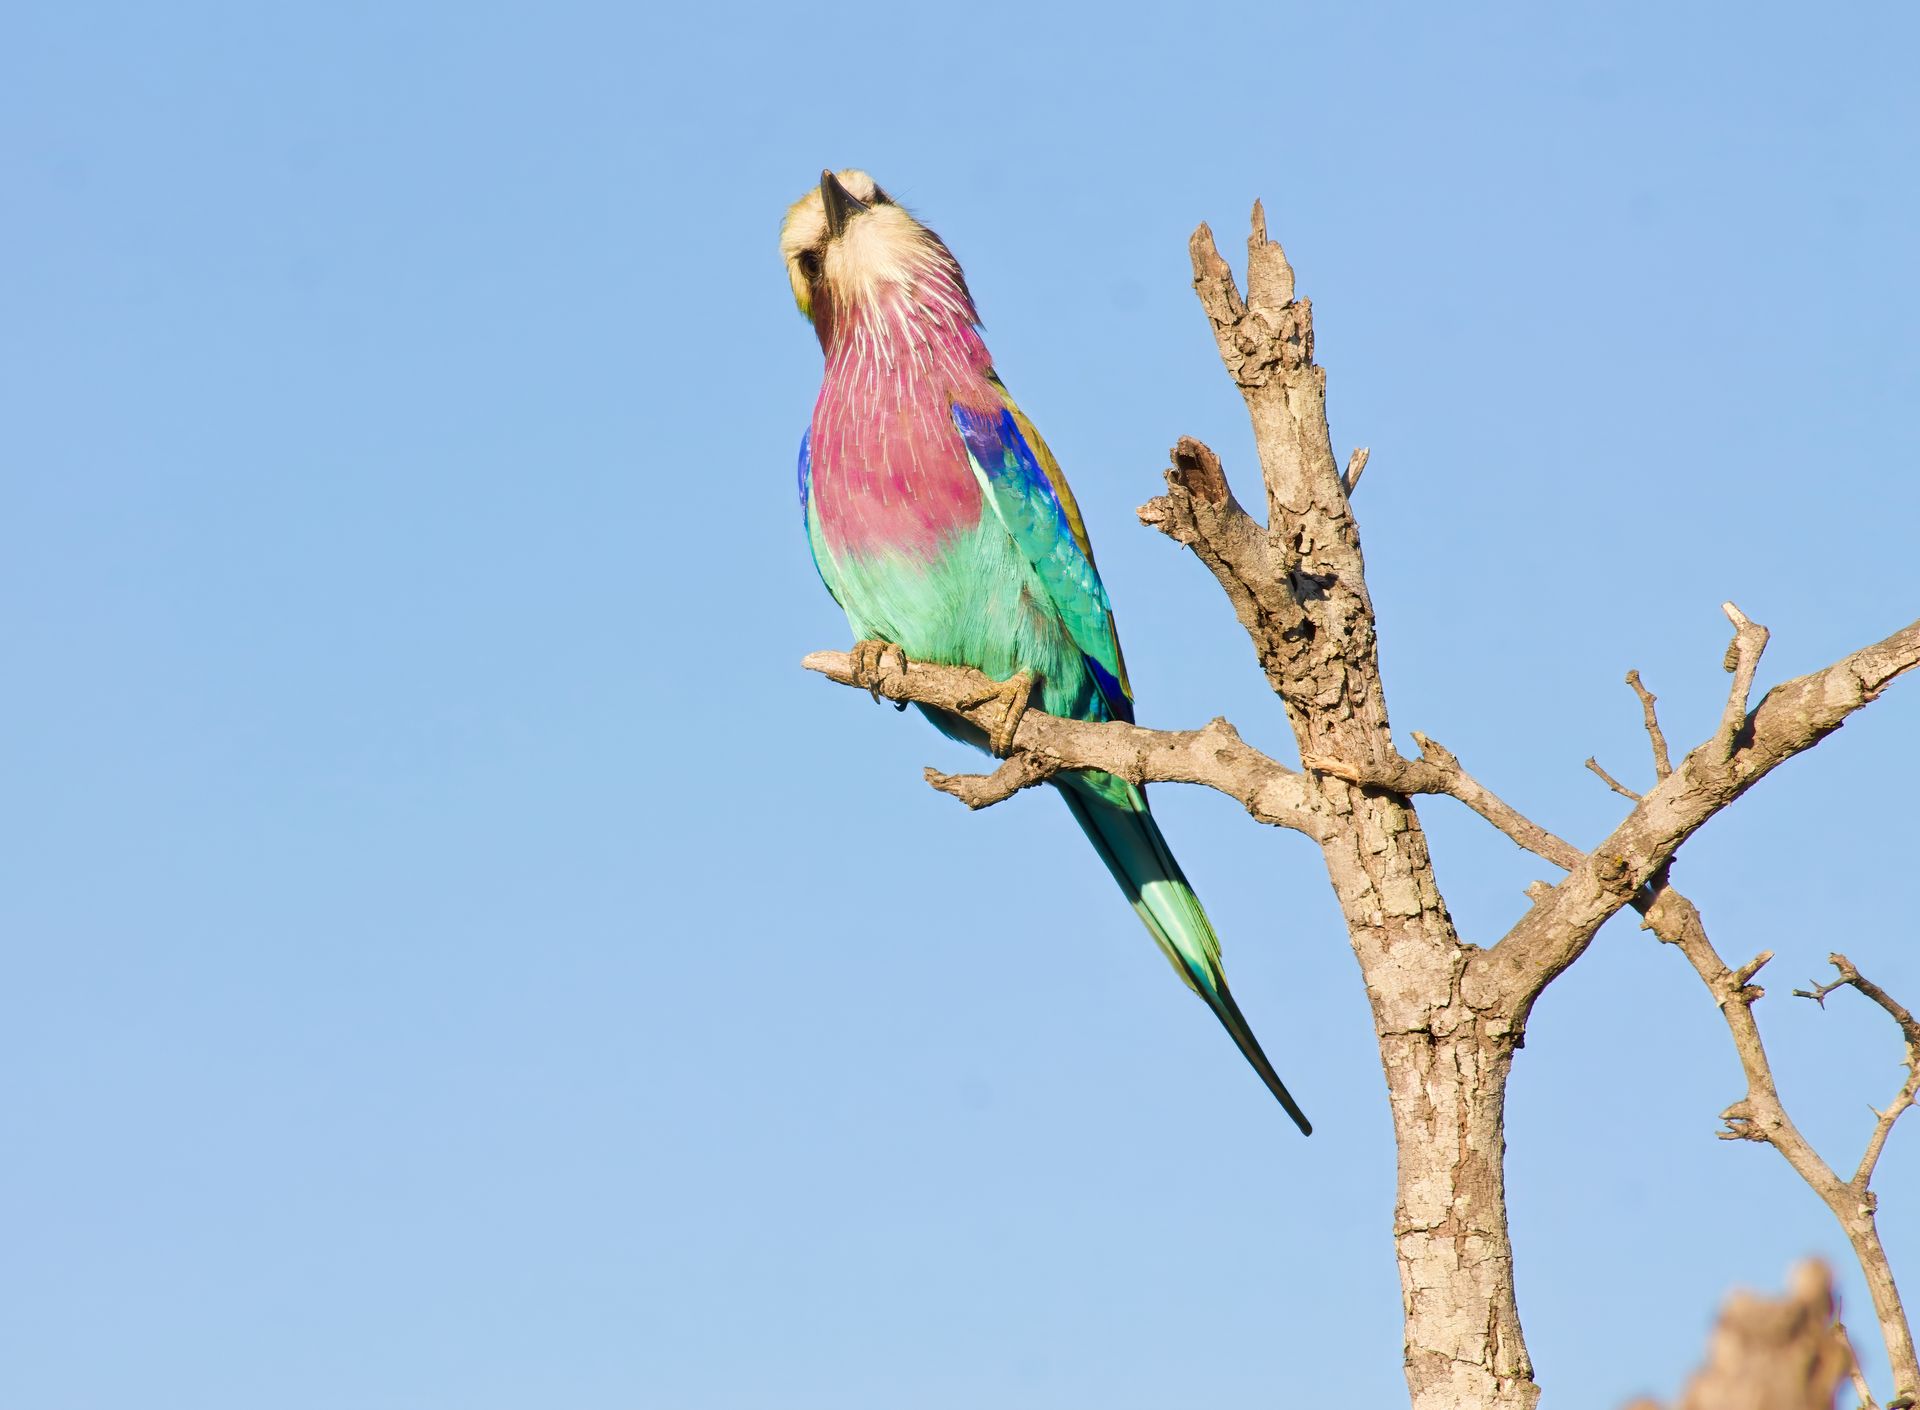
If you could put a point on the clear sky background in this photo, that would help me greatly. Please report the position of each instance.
(455, 957)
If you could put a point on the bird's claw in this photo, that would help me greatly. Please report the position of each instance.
(875, 662)
(1015, 694)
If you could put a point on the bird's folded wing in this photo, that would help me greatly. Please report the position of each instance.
(808, 518)
(1029, 495)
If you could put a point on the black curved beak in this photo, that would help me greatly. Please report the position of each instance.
(840, 203)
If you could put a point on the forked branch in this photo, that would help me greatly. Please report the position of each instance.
(1744, 748)
(1909, 1093)
(1760, 1115)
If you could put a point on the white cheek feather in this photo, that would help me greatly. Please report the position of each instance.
(881, 249)
(804, 228)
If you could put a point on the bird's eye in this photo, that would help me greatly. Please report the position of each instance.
(809, 262)
(880, 198)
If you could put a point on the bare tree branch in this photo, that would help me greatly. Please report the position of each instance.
(1215, 757)
(1854, 1371)
(984, 790)
(1199, 511)
(1742, 660)
(1593, 766)
(1909, 1092)
(1438, 770)
(1662, 762)
(1792, 717)
(1761, 1116)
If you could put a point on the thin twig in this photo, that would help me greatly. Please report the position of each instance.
(1854, 1373)
(1662, 761)
(1610, 781)
(1743, 976)
(1742, 661)
(984, 790)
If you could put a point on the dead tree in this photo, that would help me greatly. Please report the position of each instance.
(1448, 1013)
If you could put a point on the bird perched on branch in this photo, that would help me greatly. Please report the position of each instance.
(941, 523)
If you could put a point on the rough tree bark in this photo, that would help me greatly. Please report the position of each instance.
(1448, 1014)
(1446, 1049)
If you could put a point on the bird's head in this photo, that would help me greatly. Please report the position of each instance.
(850, 250)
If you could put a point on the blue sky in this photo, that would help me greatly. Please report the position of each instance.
(455, 957)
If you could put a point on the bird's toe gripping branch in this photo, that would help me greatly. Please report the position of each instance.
(881, 668)
(874, 662)
(1015, 694)
(884, 670)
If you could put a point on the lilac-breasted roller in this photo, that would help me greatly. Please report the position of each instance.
(941, 523)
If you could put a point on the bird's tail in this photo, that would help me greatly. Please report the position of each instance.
(1114, 815)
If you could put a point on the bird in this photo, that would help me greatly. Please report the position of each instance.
(941, 523)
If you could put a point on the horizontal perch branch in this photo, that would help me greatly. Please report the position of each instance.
(1214, 757)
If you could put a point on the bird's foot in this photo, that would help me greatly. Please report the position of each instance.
(875, 662)
(1014, 694)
